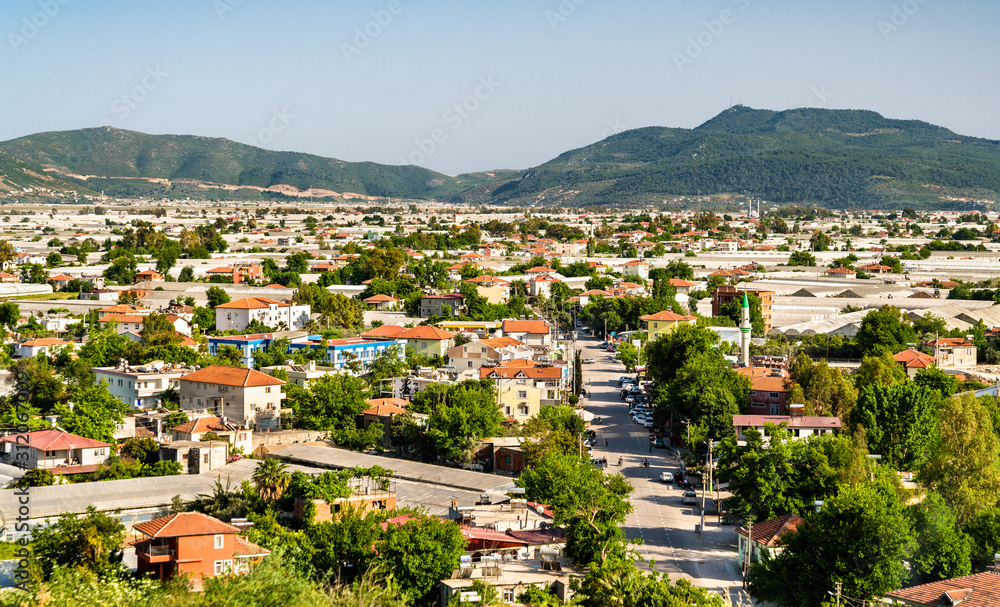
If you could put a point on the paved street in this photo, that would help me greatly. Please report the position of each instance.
(660, 520)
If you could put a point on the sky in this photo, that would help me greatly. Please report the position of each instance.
(471, 86)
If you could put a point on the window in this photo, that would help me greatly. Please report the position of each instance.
(206, 461)
(220, 541)
(268, 389)
(522, 394)
(506, 410)
(773, 394)
(522, 410)
(222, 567)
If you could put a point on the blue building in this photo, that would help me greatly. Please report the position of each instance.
(248, 345)
(340, 351)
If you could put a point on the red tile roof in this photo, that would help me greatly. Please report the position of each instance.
(44, 341)
(426, 332)
(53, 440)
(535, 327)
(769, 532)
(181, 524)
(912, 359)
(669, 316)
(232, 376)
(977, 590)
(202, 425)
(250, 303)
(385, 331)
(549, 373)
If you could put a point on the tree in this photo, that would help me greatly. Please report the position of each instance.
(942, 551)
(734, 310)
(157, 330)
(858, 538)
(385, 364)
(186, 274)
(936, 379)
(331, 403)
(962, 463)
(216, 297)
(824, 391)
(271, 479)
(628, 356)
(884, 331)
(94, 414)
(705, 391)
(54, 259)
(420, 553)
(142, 450)
(802, 258)
(122, 270)
(10, 313)
(899, 421)
(460, 414)
(36, 477)
(880, 370)
(344, 547)
(819, 241)
(92, 542)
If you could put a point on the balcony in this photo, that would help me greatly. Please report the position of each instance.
(155, 554)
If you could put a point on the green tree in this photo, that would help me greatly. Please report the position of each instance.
(157, 330)
(420, 553)
(331, 403)
(10, 312)
(628, 356)
(54, 259)
(186, 274)
(899, 420)
(346, 546)
(142, 450)
(36, 477)
(271, 479)
(819, 241)
(91, 542)
(884, 331)
(824, 390)
(878, 370)
(705, 391)
(460, 414)
(802, 258)
(962, 466)
(942, 550)
(216, 297)
(94, 414)
(121, 271)
(858, 538)
(734, 311)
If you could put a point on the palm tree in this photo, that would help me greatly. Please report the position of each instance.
(271, 479)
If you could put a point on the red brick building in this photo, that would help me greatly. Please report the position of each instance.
(769, 394)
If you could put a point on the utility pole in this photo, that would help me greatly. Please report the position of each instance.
(703, 483)
(839, 588)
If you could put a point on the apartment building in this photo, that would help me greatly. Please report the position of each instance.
(236, 395)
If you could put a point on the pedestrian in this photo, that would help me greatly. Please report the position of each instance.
(605, 443)
(650, 447)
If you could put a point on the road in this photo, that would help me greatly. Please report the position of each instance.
(660, 520)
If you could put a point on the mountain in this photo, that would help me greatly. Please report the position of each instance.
(128, 163)
(836, 158)
(831, 157)
(17, 176)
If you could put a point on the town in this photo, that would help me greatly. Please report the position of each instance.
(423, 403)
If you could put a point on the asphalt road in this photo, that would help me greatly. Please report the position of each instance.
(660, 520)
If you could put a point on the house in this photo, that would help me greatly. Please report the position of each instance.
(475, 354)
(725, 294)
(637, 267)
(541, 285)
(840, 272)
(381, 411)
(682, 286)
(195, 545)
(237, 274)
(768, 390)
(55, 450)
(302, 375)
(533, 333)
(435, 305)
(235, 435)
(765, 537)
(664, 322)
(874, 268)
(132, 323)
(523, 390)
(382, 302)
(243, 396)
(57, 324)
(428, 340)
(48, 346)
(60, 281)
(953, 351)
(913, 361)
(384, 332)
(495, 290)
(125, 309)
(976, 590)
(148, 276)
(142, 386)
(196, 456)
(236, 315)
(798, 426)
(584, 298)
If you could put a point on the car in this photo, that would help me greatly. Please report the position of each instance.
(600, 463)
(588, 361)
(666, 477)
(648, 423)
(690, 498)
(658, 443)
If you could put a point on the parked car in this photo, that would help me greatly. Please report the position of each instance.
(690, 498)
(588, 361)
(666, 477)
(600, 463)
(658, 443)
(648, 423)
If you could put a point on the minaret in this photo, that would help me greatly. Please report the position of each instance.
(745, 331)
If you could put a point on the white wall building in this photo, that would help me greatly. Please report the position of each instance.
(236, 315)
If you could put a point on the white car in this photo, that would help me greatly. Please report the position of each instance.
(690, 498)
(648, 423)
(666, 477)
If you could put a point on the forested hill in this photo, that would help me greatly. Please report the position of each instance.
(831, 157)
(117, 157)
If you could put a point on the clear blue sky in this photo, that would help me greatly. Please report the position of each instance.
(294, 75)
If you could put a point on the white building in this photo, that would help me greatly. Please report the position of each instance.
(143, 386)
(48, 346)
(236, 315)
(235, 395)
(55, 450)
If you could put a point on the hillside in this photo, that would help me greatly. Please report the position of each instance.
(831, 157)
(17, 176)
(835, 158)
(121, 163)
